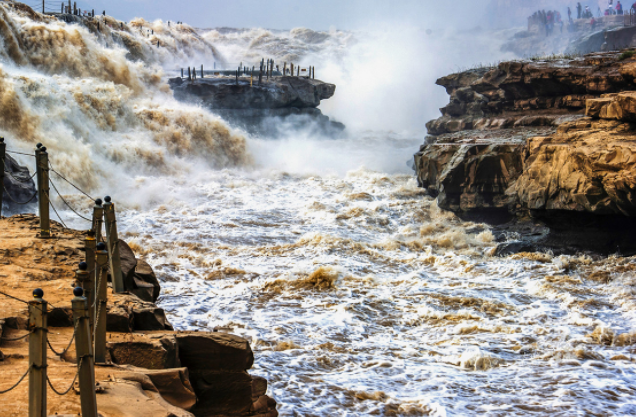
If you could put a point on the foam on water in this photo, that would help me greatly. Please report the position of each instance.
(359, 295)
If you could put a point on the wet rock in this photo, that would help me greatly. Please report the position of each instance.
(259, 386)
(214, 352)
(129, 312)
(147, 285)
(221, 392)
(19, 187)
(139, 278)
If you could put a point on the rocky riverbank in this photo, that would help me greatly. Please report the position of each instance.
(250, 104)
(547, 145)
(154, 371)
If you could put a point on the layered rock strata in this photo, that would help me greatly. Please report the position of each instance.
(154, 371)
(250, 103)
(515, 142)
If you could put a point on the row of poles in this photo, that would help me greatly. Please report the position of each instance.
(266, 68)
(89, 304)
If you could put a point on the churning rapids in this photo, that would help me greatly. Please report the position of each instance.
(359, 295)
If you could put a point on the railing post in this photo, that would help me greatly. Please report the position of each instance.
(201, 71)
(37, 355)
(98, 219)
(100, 303)
(112, 240)
(42, 166)
(90, 247)
(83, 279)
(84, 352)
(3, 148)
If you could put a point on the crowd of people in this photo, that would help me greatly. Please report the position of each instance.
(546, 21)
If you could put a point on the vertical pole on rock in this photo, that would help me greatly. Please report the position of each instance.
(201, 71)
(83, 278)
(62, 9)
(42, 166)
(75, 8)
(84, 353)
(100, 303)
(284, 68)
(42, 6)
(3, 148)
(98, 220)
(298, 71)
(112, 240)
(189, 75)
(252, 77)
(37, 355)
(181, 72)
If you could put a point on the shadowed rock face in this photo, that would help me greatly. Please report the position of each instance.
(19, 186)
(515, 140)
(253, 107)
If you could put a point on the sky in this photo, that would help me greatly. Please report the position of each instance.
(288, 14)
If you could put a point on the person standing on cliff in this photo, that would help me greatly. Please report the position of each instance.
(619, 7)
(579, 9)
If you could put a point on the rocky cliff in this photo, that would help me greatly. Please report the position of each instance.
(249, 103)
(552, 141)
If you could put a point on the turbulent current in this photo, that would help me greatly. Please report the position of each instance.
(358, 294)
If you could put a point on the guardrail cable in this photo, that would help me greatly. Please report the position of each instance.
(73, 185)
(18, 202)
(67, 204)
(17, 383)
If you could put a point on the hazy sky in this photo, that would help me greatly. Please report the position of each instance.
(287, 14)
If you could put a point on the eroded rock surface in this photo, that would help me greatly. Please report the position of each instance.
(515, 141)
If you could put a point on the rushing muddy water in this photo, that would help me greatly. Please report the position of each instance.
(360, 296)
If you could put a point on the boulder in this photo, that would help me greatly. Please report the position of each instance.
(214, 352)
(139, 278)
(221, 392)
(147, 285)
(19, 187)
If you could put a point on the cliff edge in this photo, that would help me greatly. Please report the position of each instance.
(549, 142)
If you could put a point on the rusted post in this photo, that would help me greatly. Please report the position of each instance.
(3, 148)
(112, 241)
(84, 353)
(42, 166)
(252, 77)
(100, 303)
(37, 355)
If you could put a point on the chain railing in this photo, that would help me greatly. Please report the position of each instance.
(89, 312)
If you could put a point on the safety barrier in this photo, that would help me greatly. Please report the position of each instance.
(90, 301)
(38, 342)
(266, 68)
(629, 18)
